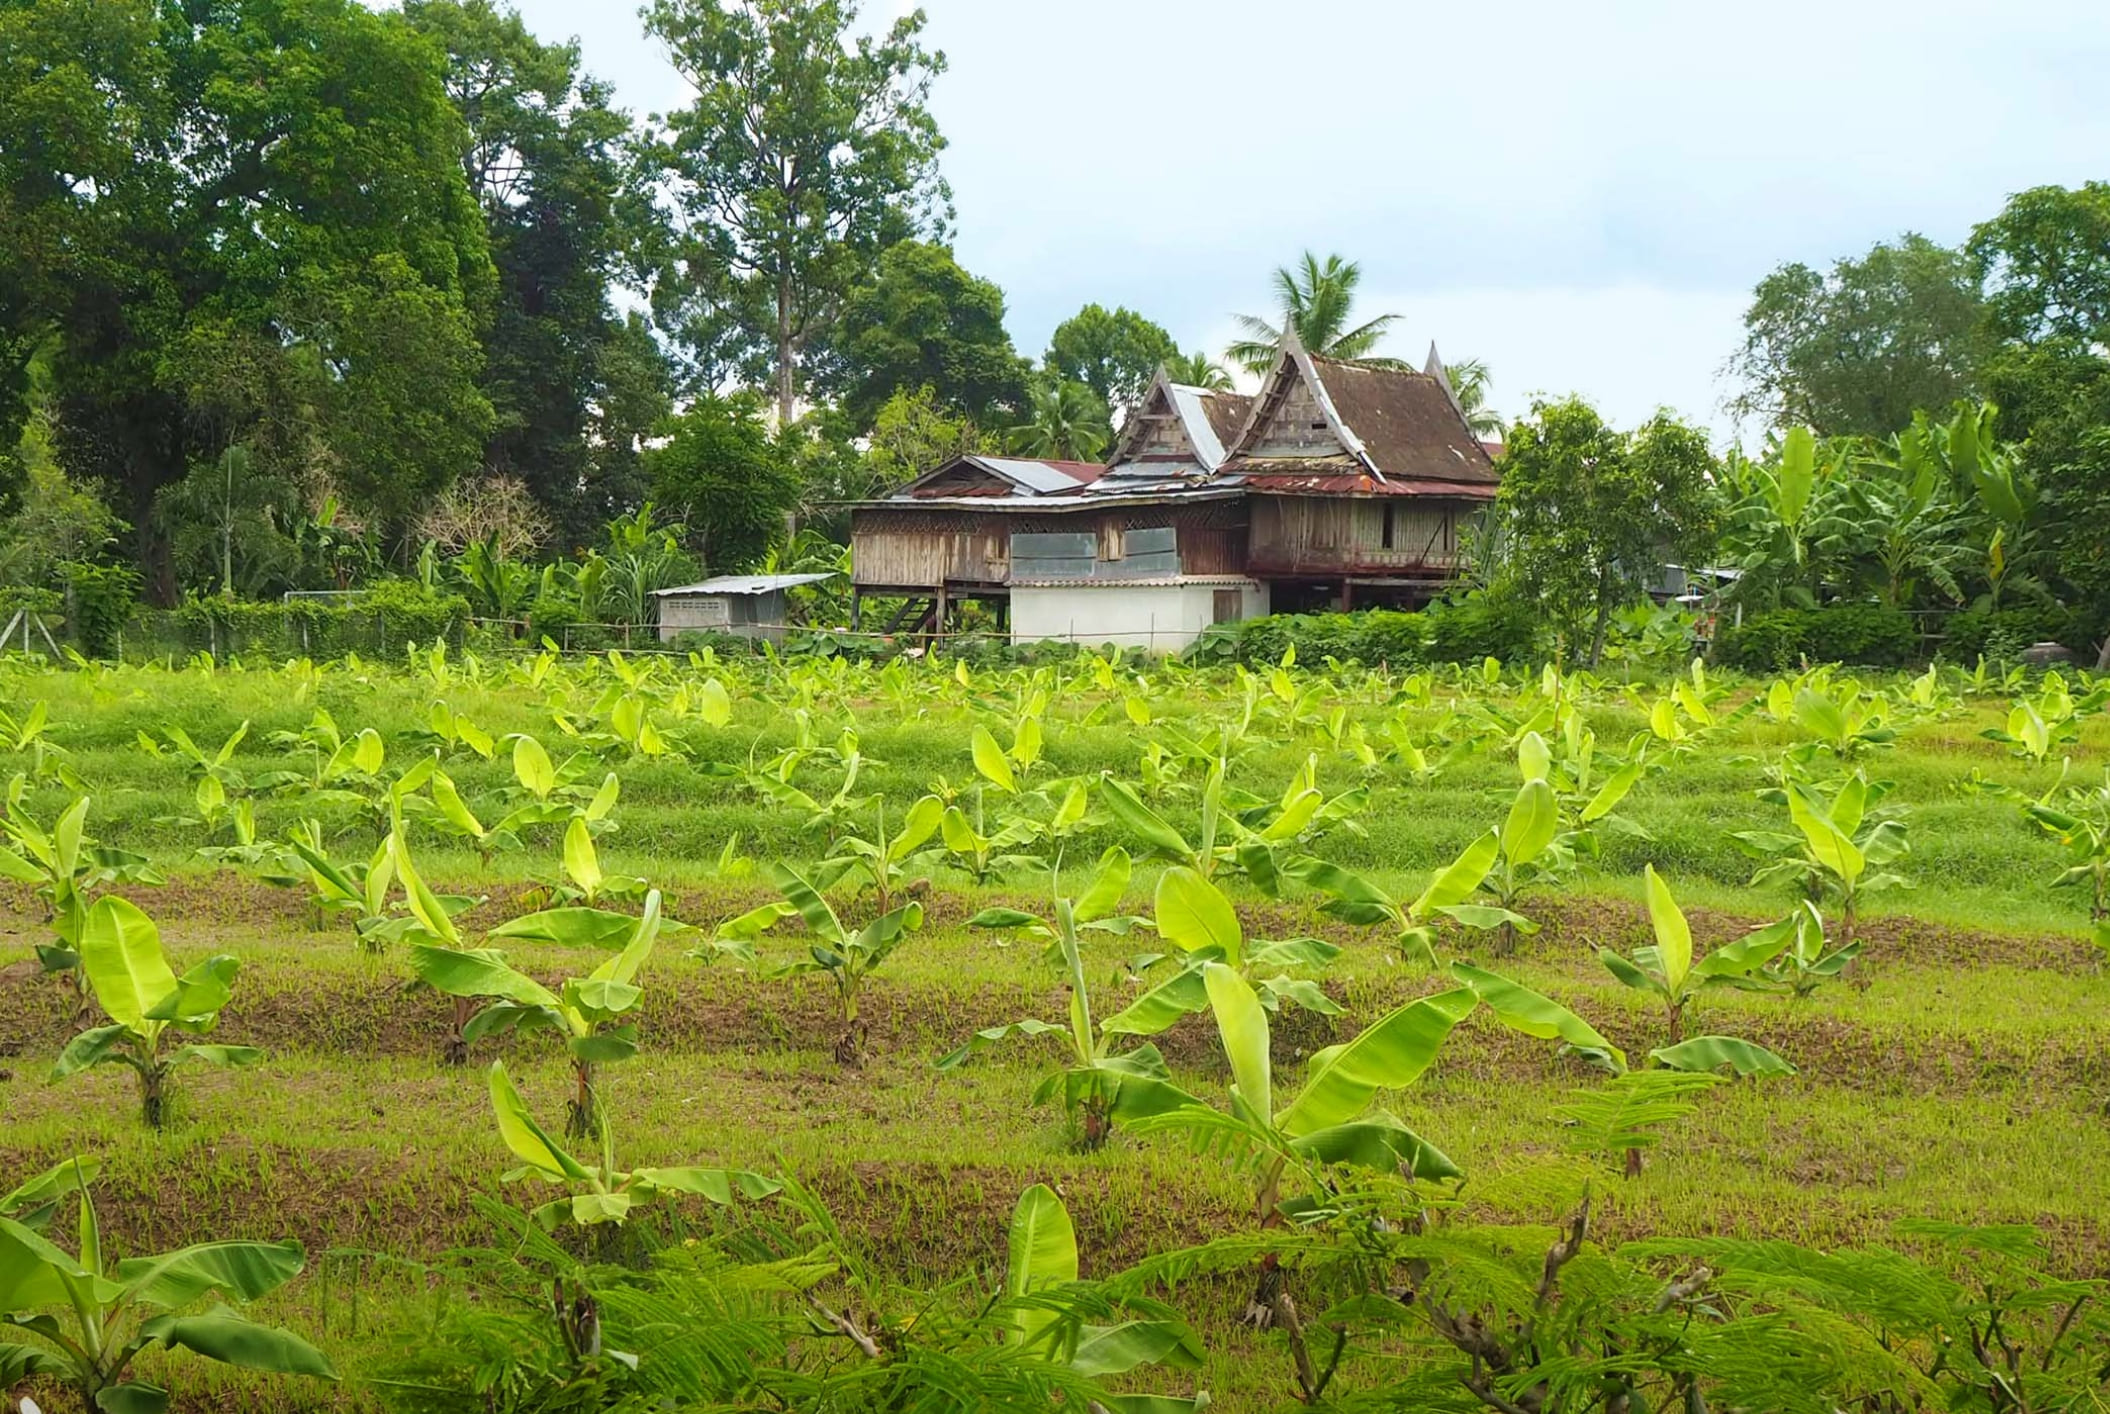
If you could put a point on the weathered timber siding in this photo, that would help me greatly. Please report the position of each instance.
(1346, 535)
(916, 548)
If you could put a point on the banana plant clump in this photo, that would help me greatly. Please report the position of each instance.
(93, 1314)
(145, 1001)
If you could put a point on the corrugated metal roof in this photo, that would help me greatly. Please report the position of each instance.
(1042, 477)
(1192, 405)
(1346, 483)
(1149, 494)
(747, 583)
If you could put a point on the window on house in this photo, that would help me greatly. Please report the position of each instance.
(1386, 537)
(1228, 608)
(1113, 542)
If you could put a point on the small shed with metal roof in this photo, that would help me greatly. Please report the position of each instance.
(745, 605)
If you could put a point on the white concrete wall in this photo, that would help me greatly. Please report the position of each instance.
(1158, 618)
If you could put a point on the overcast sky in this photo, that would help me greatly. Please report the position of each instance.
(1580, 194)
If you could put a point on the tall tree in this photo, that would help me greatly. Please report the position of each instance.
(1198, 370)
(924, 322)
(1115, 353)
(239, 223)
(1858, 350)
(2046, 258)
(546, 156)
(1316, 298)
(1470, 381)
(1588, 513)
(720, 472)
(1064, 421)
(809, 149)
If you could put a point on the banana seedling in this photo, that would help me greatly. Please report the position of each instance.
(1669, 972)
(583, 879)
(452, 815)
(883, 858)
(2051, 718)
(1104, 1087)
(64, 867)
(26, 734)
(982, 854)
(1041, 1267)
(217, 765)
(1845, 719)
(1807, 961)
(1196, 918)
(454, 732)
(591, 1013)
(122, 958)
(601, 1193)
(1330, 1122)
(2081, 824)
(1837, 842)
(431, 924)
(1355, 899)
(847, 958)
(93, 1314)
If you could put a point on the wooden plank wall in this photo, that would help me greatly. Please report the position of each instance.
(1339, 534)
(927, 548)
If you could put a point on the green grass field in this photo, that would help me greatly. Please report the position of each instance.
(1960, 1071)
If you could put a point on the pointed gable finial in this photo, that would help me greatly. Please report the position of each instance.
(1434, 368)
(1289, 342)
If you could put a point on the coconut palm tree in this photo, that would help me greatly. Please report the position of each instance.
(1064, 420)
(1198, 370)
(1470, 381)
(1315, 298)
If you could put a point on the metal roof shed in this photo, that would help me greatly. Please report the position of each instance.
(746, 605)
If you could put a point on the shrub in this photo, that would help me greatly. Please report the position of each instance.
(1977, 631)
(1865, 634)
(409, 612)
(1482, 625)
(99, 600)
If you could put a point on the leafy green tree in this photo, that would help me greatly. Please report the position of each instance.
(1064, 422)
(1470, 380)
(1198, 370)
(545, 155)
(1115, 353)
(1588, 513)
(913, 435)
(280, 251)
(1861, 348)
(808, 150)
(1316, 298)
(722, 474)
(2046, 260)
(924, 323)
(236, 520)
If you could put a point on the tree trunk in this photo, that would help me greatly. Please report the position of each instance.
(786, 385)
(2102, 657)
(1604, 619)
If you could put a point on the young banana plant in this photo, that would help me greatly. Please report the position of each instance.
(2081, 823)
(1669, 972)
(601, 1193)
(1330, 1122)
(1355, 899)
(93, 1314)
(1041, 1267)
(847, 958)
(1837, 842)
(145, 1000)
(454, 817)
(1196, 917)
(883, 858)
(1102, 1086)
(64, 867)
(591, 1013)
